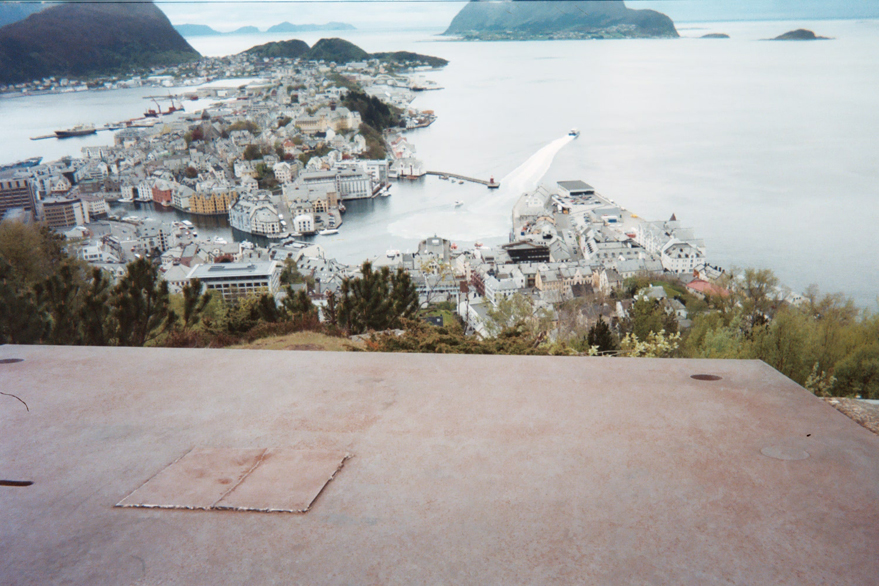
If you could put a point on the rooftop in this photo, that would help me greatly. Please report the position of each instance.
(232, 269)
(447, 469)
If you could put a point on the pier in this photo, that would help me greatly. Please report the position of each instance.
(491, 184)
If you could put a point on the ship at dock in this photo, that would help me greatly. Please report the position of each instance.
(27, 163)
(78, 130)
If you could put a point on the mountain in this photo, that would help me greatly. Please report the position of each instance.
(292, 49)
(245, 30)
(78, 39)
(287, 27)
(195, 30)
(339, 51)
(521, 19)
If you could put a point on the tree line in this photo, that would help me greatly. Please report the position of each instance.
(50, 297)
(825, 343)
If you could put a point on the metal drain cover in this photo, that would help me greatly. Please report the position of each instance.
(784, 453)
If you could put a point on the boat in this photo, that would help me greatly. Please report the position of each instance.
(32, 162)
(78, 130)
(328, 232)
(342, 208)
(574, 132)
(459, 203)
(392, 253)
(461, 182)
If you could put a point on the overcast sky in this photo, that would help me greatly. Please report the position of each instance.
(436, 14)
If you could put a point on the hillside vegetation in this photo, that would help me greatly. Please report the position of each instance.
(48, 297)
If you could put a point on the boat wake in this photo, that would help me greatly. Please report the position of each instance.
(489, 216)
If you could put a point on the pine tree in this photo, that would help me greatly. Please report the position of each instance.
(600, 335)
(331, 311)
(141, 304)
(366, 303)
(268, 309)
(22, 319)
(94, 313)
(194, 303)
(404, 296)
(60, 297)
(298, 304)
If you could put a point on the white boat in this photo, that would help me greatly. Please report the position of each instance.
(328, 232)
(459, 203)
(574, 132)
(392, 253)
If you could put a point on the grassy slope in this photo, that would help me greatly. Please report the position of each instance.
(302, 341)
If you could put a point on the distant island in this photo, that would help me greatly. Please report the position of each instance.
(203, 30)
(286, 27)
(339, 51)
(83, 38)
(800, 34)
(715, 36)
(557, 19)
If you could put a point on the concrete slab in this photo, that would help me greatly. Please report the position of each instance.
(284, 481)
(198, 480)
(466, 470)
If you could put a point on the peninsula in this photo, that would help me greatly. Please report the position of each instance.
(341, 52)
(562, 19)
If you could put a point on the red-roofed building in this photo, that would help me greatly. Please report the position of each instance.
(704, 288)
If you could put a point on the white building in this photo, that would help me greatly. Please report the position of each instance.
(255, 214)
(304, 223)
(283, 172)
(234, 280)
(348, 183)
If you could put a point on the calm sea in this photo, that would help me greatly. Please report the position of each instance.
(768, 150)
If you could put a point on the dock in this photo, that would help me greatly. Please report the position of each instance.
(491, 184)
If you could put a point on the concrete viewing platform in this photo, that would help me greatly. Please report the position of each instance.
(153, 466)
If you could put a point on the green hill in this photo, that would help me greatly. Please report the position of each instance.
(514, 19)
(336, 50)
(79, 39)
(292, 49)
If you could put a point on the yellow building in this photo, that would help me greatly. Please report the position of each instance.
(212, 203)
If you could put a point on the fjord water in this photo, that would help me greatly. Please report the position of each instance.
(767, 149)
